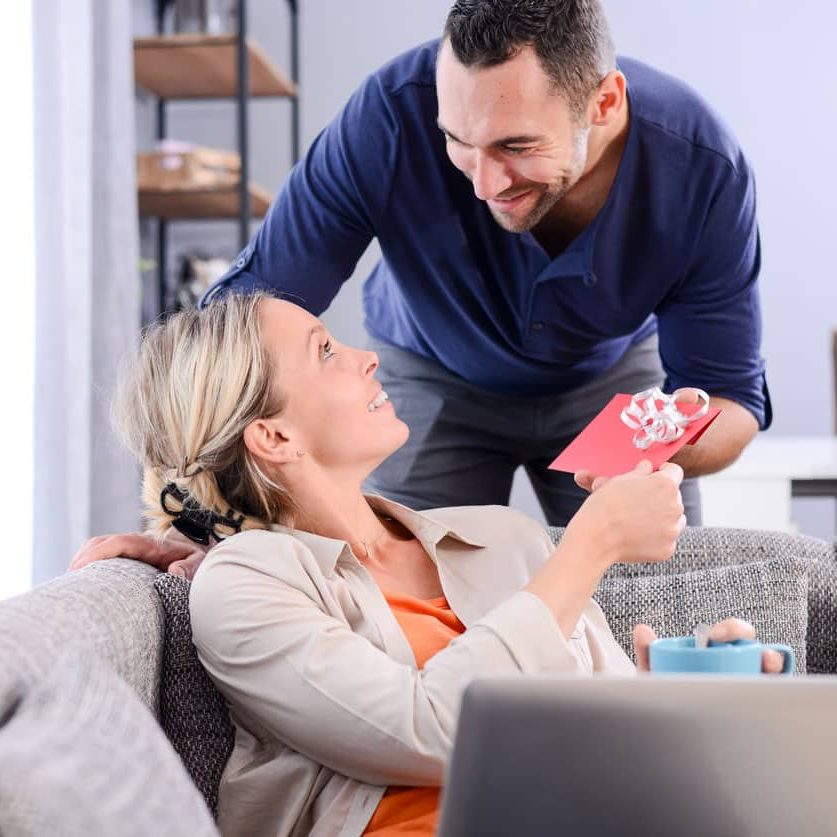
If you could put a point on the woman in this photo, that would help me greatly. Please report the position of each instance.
(341, 628)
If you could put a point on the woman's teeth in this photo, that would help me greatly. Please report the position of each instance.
(376, 402)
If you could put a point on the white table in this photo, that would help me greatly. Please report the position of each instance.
(755, 492)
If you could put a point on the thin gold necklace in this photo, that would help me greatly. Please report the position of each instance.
(367, 545)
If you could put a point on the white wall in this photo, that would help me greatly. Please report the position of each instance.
(765, 66)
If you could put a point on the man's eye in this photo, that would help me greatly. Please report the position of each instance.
(326, 350)
(512, 149)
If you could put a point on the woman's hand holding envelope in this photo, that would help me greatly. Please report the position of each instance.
(640, 514)
(635, 517)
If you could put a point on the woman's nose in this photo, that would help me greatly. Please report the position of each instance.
(370, 363)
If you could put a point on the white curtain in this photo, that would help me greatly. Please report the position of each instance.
(87, 272)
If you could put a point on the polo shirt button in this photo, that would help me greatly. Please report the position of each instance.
(590, 278)
(241, 262)
(538, 326)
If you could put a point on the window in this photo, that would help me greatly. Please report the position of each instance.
(17, 331)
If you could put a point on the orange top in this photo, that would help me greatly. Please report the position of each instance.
(429, 625)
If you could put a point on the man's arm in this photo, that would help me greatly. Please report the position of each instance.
(173, 553)
(710, 327)
(328, 209)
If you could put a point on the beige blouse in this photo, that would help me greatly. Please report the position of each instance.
(328, 704)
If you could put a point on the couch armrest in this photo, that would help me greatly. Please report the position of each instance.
(109, 609)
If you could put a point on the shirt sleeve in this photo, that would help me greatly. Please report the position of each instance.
(327, 211)
(710, 327)
(294, 671)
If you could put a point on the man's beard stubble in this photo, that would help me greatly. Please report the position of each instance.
(547, 199)
(551, 194)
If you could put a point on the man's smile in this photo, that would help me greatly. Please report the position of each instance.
(506, 204)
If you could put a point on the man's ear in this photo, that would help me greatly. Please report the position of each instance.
(266, 439)
(609, 98)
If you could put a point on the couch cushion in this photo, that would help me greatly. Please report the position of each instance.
(81, 755)
(771, 595)
(713, 547)
(193, 713)
(822, 615)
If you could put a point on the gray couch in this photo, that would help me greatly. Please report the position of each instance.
(108, 724)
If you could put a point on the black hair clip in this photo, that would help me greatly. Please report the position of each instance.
(196, 522)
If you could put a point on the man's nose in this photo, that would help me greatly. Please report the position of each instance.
(489, 177)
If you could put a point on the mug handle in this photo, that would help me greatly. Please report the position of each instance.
(787, 652)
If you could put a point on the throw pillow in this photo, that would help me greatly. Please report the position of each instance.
(193, 713)
(771, 595)
(705, 547)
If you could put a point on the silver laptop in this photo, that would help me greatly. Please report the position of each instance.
(651, 755)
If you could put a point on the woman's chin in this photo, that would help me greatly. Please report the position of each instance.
(405, 429)
(392, 441)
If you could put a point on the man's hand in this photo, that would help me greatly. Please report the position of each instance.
(772, 662)
(722, 442)
(590, 482)
(718, 447)
(176, 556)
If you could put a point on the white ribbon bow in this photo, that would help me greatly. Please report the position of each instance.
(655, 417)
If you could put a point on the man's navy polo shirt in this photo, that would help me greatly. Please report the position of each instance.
(674, 249)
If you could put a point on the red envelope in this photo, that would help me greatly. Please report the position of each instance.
(606, 446)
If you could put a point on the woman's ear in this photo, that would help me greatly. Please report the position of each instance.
(265, 439)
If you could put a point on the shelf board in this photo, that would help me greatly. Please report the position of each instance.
(202, 203)
(203, 67)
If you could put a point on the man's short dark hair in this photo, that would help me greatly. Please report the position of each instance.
(570, 37)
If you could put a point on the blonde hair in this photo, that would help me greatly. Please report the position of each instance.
(199, 378)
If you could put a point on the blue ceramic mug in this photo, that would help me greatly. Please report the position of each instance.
(678, 655)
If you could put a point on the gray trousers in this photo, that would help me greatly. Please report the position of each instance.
(466, 444)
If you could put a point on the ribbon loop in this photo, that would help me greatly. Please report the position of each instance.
(655, 417)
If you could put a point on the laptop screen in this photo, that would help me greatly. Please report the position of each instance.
(647, 755)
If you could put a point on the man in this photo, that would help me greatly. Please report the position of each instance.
(605, 222)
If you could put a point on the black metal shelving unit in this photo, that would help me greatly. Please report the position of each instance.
(242, 98)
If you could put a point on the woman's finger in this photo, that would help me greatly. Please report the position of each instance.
(673, 471)
(598, 483)
(643, 637)
(772, 662)
(731, 629)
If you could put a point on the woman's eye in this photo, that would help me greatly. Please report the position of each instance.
(327, 350)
